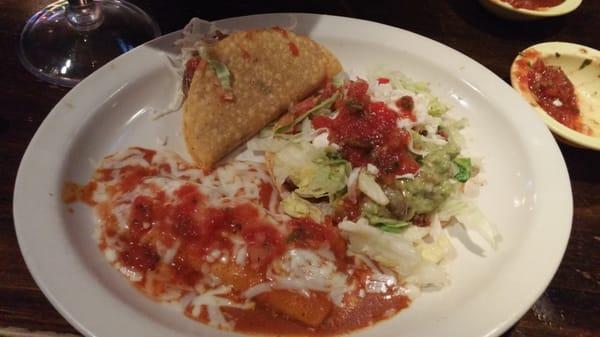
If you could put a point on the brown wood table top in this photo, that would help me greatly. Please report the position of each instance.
(570, 307)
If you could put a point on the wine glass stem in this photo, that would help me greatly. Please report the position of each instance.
(84, 15)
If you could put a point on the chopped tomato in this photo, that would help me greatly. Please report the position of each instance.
(328, 90)
(350, 208)
(367, 132)
(303, 106)
(139, 257)
(190, 68)
(406, 105)
(357, 91)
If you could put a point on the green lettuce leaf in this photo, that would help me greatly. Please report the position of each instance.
(464, 169)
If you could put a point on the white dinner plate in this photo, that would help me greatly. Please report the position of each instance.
(528, 195)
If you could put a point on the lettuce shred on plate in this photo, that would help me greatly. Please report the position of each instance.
(382, 158)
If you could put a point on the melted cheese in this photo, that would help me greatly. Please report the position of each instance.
(132, 275)
(302, 270)
(212, 300)
(380, 283)
(298, 270)
(240, 250)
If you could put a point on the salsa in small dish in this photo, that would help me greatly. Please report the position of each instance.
(524, 10)
(534, 4)
(561, 81)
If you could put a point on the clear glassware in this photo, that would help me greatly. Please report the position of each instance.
(69, 39)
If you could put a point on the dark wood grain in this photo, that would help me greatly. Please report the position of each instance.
(570, 307)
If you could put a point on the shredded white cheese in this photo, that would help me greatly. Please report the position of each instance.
(212, 299)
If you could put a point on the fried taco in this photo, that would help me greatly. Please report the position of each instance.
(237, 85)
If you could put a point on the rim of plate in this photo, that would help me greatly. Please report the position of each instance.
(47, 150)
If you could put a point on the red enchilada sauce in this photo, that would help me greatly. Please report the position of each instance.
(168, 209)
(534, 4)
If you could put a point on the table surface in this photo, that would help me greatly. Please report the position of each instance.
(571, 304)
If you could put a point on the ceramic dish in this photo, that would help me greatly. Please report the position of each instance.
(507, 11)
(581, 64)
(528, 194)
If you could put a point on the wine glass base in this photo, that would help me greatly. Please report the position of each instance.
(57, 51)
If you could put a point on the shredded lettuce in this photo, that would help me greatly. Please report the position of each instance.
(407, 83)
(339, 79)
(306, 134)
(297, 207)
(452, 129)
(223, 74)
(389, 249)
(382, 218)
(471, 217)
(436, 108)
(464, 169)
(329, 178)
(385, 230)
(393, 251)
(368, 185)
(388, 224)
(419, 145)
(323, 105)
(436, 250)
(311, 170)
(400, 81)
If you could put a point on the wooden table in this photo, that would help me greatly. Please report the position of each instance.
(571, 304)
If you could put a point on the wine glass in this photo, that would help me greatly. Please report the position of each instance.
(69, 39)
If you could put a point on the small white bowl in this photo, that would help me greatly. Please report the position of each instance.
(507, 11)
(581, 65)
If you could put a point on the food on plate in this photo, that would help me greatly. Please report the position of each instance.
(236, 84)
(534, 4)
(551, 89)
(220, 247)
(331, 219)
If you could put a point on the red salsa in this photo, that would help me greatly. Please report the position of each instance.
(555, 93)
(534, 4)
(367, 132)
(190, 68)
